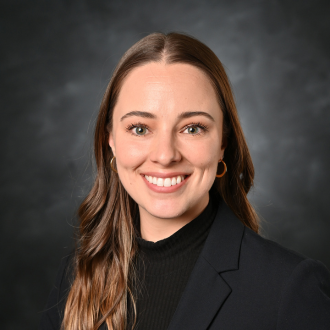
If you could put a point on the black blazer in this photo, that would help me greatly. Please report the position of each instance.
(240, 281)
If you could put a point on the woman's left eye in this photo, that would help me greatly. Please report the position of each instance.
(195, 129)
(192, 130)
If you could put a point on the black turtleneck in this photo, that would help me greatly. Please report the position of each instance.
(163, 269)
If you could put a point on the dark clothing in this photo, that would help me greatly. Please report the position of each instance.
(239, 281)
(163, 269)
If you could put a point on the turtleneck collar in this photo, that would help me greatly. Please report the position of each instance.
(189, 237)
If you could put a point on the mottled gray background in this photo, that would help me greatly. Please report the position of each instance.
(56, 59)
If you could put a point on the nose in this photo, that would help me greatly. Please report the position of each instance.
(164, 150)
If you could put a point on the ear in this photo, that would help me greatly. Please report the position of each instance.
(223, 146)
(112, 144)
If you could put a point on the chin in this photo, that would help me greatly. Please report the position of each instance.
(166, 213)
(165, 209)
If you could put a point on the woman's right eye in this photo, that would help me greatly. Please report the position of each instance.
(140, 130)
(137, 129)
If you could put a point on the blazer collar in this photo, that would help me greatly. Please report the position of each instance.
(206, 290)
(223, 244)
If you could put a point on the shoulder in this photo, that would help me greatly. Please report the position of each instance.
(269, 283)
(300, 285)
(271, 256)
(258, 249)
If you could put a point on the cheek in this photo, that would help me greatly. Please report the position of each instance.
(129, 154)
(202, 154)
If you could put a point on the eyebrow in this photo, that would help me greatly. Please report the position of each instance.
(182, 115)
(189, 114)
(143, 114)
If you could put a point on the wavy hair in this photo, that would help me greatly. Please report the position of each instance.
(103, 272)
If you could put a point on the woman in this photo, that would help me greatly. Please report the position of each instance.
(168, 238)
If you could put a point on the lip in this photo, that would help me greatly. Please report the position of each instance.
(164, 175)
(170, 189)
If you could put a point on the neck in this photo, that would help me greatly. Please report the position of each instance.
(154, 229)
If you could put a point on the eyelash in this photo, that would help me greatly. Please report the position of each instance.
(131, 126)
(203, 127)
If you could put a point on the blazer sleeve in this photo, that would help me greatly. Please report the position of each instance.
(305, 298)
(52, 315)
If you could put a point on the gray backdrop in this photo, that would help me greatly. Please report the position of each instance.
(56, 59)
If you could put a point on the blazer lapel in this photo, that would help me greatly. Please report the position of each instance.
(206, 290)
(205, 293)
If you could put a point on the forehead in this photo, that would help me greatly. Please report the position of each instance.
(167, 88)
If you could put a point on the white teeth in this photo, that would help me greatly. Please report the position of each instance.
(165, 182)
(160, 182)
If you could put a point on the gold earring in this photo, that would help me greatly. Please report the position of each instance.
(111, 164)
(224, 170)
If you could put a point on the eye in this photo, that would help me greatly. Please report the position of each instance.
(137, 129)
(192, 130)
(140, 130)
(195, 129)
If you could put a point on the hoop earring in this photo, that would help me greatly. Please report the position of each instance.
(224, 170)
(111, 164)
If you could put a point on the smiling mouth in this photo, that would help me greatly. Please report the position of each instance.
(166, 182)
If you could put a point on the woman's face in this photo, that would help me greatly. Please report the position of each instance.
(167, 139)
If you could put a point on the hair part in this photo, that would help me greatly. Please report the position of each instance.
(103, 267)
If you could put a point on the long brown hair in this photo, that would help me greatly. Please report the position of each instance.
(106, 247)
